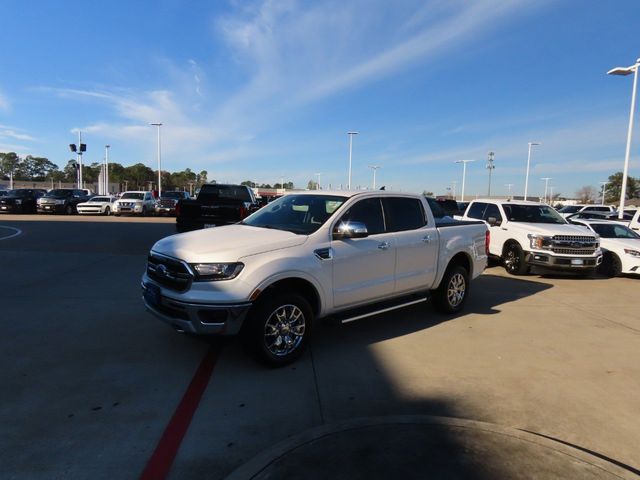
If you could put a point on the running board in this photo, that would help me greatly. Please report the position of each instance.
(377, 309)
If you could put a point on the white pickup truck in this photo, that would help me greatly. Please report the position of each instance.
(345, 255)
(530, 233)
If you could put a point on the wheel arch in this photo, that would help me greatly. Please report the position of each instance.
(508, 243)
(294, 285)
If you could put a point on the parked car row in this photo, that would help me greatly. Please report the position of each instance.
(526, 234)
(70, 201)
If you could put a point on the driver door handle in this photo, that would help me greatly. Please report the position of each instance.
(383, 245)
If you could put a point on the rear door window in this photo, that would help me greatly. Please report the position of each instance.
(403, 214)
(492, 210)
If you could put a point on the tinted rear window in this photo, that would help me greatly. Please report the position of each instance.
(231, 192)
(403, 214)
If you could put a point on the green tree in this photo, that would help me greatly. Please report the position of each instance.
(614, 186)
(312, 185)
(9, 162)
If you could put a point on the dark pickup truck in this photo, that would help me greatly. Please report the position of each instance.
(215, 205)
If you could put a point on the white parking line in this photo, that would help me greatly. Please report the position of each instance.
(16, 230)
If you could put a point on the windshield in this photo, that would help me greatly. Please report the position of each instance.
(606, 230)
(570, 209)
(532, 214)
(20, 192)
(60, 193)
(132, 196)
(230, 192)
(301, 214)
(177, 195)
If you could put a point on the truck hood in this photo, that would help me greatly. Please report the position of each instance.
(226, 244)
(550, 229)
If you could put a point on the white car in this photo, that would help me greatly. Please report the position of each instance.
(134, 202)
(620, 246)
(96, 206)
(571, 209)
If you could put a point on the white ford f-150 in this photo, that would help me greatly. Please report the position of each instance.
(345, 255)
(530, 233)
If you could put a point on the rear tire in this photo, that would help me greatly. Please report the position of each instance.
(279, 328)
(107, 211)
(513, 259)
(68, 209)
(452, 293)
(611, 265)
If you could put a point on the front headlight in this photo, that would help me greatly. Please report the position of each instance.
(207, 272)
(633, 253)
(540, 242)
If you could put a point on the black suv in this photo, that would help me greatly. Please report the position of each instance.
(20, 200)
(62, 200)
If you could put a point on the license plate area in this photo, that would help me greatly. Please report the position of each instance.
(577, 262)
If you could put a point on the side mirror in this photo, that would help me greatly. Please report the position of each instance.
(494, 222)
(350, 230)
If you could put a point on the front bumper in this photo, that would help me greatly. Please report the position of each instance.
(11, 209)
(50, 208)
(567, 262)
(90, 210)
(197, 318)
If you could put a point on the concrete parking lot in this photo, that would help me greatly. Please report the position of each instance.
(91, 383)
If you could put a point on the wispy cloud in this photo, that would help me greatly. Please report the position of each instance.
(8, 133)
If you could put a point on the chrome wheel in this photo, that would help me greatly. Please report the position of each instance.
(512, 262)
(284, 330)
(456, 290)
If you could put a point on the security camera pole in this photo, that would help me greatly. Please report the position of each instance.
(78, 150)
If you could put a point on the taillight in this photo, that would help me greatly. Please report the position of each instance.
(487, 240)
(243, 212)
(177, 209)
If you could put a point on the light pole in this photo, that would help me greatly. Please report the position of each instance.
(490, 167)
(454, 183)
(78, 150)
(158, 125)
(318, 182)
(509, 185)
(526, 181)
(551, 194)
(464, 174)
(351, 134)
(106, 169)
(627, 71)
(374, 168)
(546, 185)
(604, 189)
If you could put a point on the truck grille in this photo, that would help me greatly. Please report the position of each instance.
(574, 245)
(169, 273)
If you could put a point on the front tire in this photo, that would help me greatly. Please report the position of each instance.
(452, 293)
(107, 211)
(514, 262)
(280, 328)
(611, 265)
(68, 209)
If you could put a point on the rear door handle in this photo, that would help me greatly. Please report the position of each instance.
(383, 246)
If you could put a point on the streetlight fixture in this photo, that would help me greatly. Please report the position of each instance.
(627, 71)
(106, 169)
(490, 167)
(464, 174)
(546, 185)
(526, 181)
(351, 134)
(374, 168)
(604, 189)
(79, 150)
(158, 125)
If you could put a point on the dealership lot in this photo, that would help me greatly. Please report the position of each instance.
(91, 381)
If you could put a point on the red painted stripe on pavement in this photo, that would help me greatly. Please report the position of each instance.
(165, 453)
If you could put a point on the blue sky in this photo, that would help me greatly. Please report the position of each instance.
(268, 89)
